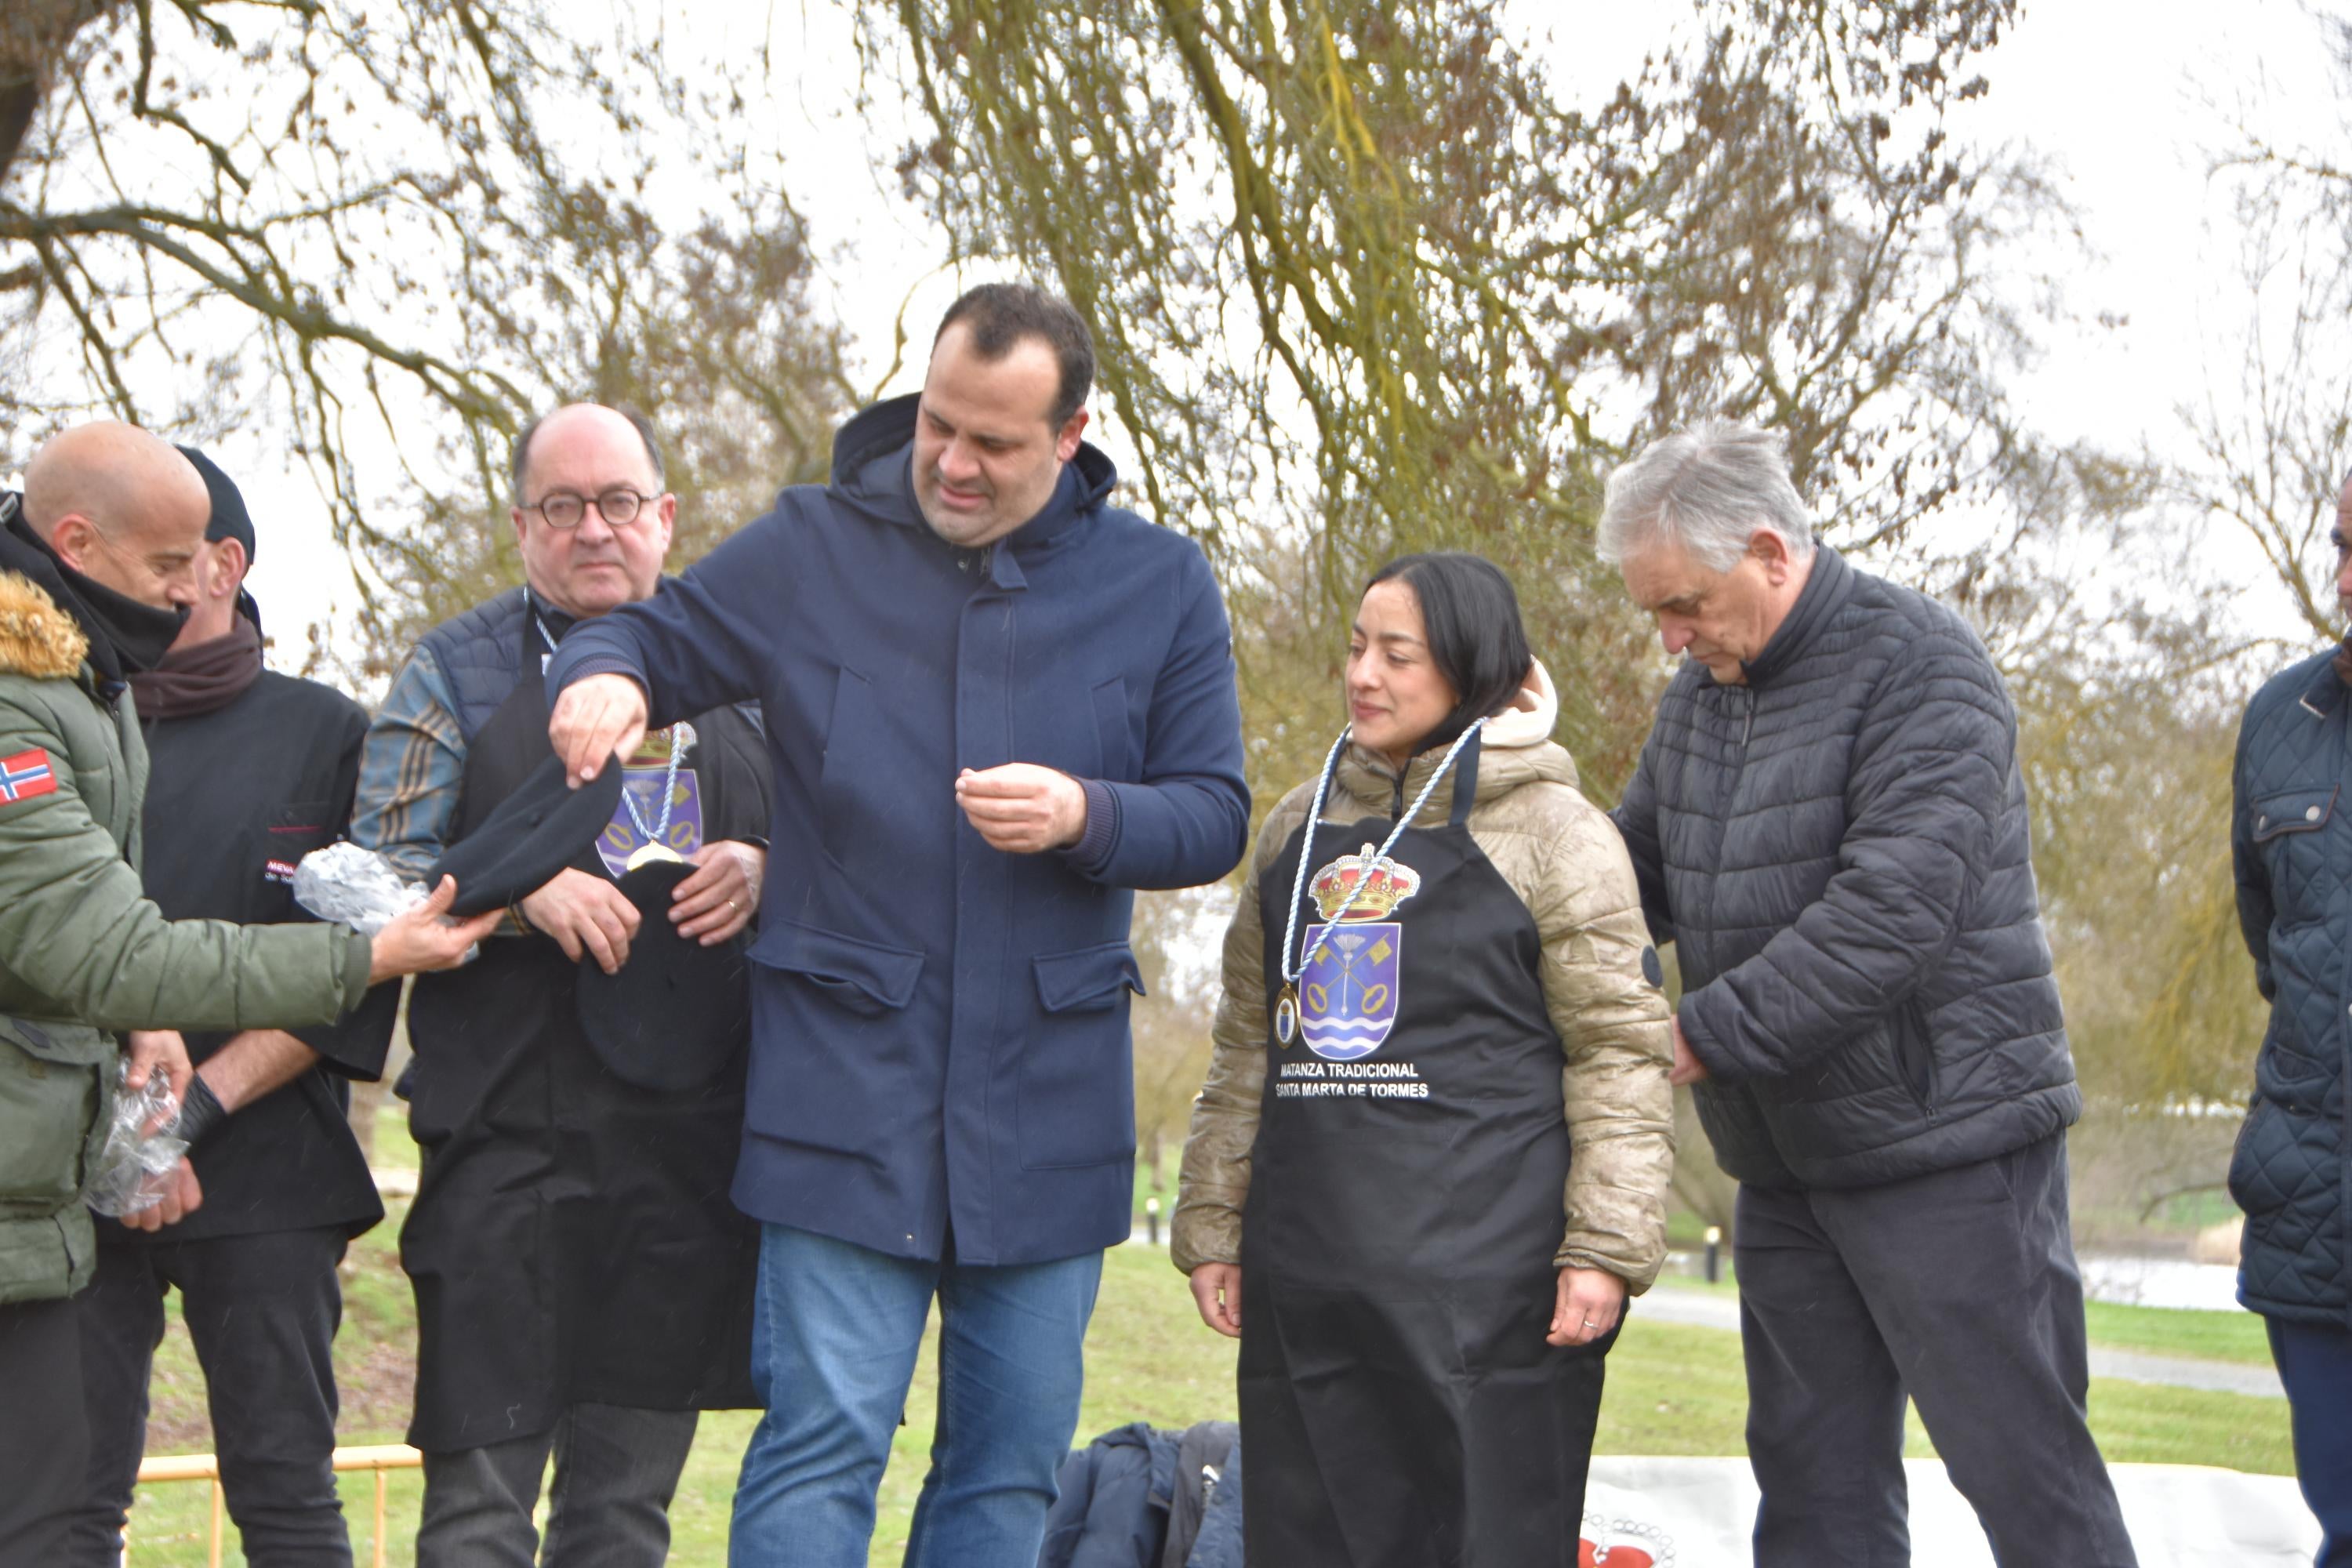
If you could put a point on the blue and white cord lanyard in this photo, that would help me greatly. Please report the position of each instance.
(1285, 1009)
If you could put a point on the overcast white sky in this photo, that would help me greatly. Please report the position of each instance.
(2114, 96)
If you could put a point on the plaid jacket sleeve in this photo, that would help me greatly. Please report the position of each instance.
(412, 766)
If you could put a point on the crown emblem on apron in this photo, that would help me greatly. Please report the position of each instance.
(1366, 884)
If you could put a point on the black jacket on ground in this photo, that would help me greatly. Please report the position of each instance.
(1839, 850)
(236, 798)
(2291, 837)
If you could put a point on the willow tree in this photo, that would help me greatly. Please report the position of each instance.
(2273, 438)
(1365, 280)
(386, 234)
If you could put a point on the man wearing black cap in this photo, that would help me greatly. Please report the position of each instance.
(582, 1284)
(251, 770)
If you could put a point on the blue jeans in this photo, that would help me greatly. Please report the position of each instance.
(833, 1352)
(2315, 1362)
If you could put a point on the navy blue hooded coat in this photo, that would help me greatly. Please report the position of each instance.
(939, 1032)
(2292, 840)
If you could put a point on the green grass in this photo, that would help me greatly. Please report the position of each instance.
(2163, 1330)
(1726, 1286)
(1686, 1232)
(2195, 1211)
(1672, 1389)
(394, 1149)
(2231, 1336)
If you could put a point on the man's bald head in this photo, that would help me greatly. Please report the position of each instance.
(122, 508)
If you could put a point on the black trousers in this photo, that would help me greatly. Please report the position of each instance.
(44, 1443)
(262, 1310)
(616, 1472)
(1957, 1289)
(2315, 1362)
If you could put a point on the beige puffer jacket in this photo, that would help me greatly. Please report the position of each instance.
(1565, 861)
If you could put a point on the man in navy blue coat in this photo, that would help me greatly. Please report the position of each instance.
(995, 706)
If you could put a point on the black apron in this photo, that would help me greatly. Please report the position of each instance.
(571, 1240)
(1399, 1405)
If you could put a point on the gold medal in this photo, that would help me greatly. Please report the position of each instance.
(650, 854)
(1285, 1016)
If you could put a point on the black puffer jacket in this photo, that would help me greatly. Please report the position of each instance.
(2292, 838)
(1838, 849)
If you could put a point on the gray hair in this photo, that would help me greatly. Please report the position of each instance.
(1707, 488)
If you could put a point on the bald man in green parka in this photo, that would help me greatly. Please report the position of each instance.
(95, 566)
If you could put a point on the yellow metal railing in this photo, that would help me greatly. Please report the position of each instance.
(380, 1458)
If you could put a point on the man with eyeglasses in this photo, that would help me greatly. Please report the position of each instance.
(584, 1286)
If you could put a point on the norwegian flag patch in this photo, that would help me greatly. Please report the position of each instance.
(26, 775)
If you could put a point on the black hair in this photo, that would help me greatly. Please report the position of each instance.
(1000, 315)
(520, 460)
(1470, 617)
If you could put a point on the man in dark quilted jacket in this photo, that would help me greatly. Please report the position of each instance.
(1829, 823)
(2291, 837)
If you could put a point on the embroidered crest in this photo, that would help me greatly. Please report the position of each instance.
(1349, 964)
(26, 775)
(1347, 991)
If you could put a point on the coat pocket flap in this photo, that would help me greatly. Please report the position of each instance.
(2296, 811)
(886, 974)
(1088, 979)
(75, 1045)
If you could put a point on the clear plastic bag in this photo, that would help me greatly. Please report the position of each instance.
(357, 886)
(141, 1151)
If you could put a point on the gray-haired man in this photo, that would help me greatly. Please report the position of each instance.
(1829, 823)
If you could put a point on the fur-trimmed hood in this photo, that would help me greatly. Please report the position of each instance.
(38, 639)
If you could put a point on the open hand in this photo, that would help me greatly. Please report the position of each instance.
(585, 913)
(1022, 808)
(720, 898)
(423, 939)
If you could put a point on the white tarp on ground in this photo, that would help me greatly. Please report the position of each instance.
(1643, 1513)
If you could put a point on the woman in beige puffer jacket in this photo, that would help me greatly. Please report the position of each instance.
(1419, 1056)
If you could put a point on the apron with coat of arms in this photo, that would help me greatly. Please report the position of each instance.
(1399, 1405)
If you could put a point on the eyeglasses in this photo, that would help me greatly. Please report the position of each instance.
(618, 507)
